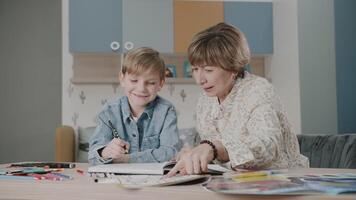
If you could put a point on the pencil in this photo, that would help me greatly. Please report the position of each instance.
(115, 134)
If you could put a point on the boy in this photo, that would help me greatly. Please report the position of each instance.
(140, 126)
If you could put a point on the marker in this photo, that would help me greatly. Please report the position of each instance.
(44, 164)
(62, 175)
(80, 171)
(51, 177)
(11, 177)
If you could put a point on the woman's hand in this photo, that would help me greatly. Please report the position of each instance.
(193, 161)
(116, 149)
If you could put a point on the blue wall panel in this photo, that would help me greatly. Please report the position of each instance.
(345, 50)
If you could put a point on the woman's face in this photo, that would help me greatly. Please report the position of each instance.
(215, 81)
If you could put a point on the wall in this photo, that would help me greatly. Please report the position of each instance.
(30, 79)
(345, 47)
(284, 63)
(317, 66)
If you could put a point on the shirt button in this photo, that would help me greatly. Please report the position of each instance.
(134, 135)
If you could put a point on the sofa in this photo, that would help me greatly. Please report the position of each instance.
(325, 151)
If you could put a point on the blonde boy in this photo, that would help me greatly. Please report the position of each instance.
(140, 126)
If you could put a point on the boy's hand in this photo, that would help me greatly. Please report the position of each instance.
(116, 149)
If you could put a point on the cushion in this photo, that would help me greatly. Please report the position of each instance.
(84, 135)
(329, 151)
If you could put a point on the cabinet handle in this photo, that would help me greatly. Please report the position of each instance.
(115, 45)
(129, 45)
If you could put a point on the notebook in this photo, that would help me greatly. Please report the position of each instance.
(147, 168)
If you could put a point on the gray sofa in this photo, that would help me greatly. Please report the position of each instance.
(329, 151)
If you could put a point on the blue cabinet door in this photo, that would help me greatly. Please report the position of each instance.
(148, 23)
(94, 25)
(255, 19)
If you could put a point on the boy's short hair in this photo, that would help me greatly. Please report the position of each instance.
(221, 45)
(143, 59)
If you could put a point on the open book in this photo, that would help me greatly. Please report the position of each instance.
(146, 168)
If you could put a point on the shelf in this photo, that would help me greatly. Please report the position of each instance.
(180, 80)
(102, 68)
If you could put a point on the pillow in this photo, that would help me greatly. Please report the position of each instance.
(189, 137)
(84, 135)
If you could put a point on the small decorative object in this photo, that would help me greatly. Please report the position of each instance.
(171, 88)
(183, 94)
(187, 69)
(82, 97)
(75, 118)
(70, 90)
(171, 71)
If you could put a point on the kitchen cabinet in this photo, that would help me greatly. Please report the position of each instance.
(95, 26)
(120, 25)
(149, 23)
(109, 28)
(255, 19)
(191, 17)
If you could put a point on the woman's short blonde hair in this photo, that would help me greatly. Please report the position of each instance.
(221, 45)
(141, 60)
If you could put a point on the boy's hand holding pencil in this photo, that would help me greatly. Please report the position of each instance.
(116, 149)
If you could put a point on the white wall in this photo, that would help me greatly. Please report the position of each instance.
(317, 66)
(283, 66)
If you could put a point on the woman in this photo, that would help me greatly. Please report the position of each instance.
(239, 117)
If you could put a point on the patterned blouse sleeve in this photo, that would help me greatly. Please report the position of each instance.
(257, 145)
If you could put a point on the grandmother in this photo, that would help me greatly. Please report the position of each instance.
(240, 118)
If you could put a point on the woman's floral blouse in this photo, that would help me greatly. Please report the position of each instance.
(252, 125)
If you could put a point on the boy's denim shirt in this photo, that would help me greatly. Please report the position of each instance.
(153, 138)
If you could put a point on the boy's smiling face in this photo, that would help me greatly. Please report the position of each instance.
(141, 89)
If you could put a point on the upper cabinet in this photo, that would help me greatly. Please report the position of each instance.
(120, 25)
(148, 23)
(101, 30)
(166, 25)
(95, 26)
(255, 20)
(191, 17)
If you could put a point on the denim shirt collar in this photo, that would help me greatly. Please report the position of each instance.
(127, 111)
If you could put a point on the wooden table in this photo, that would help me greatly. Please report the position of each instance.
(83, 187)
